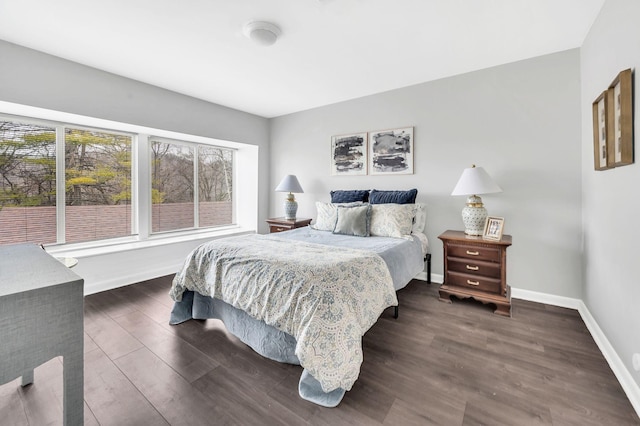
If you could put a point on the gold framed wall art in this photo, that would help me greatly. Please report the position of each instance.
(621, 102)
(602, 132)
(613, 124)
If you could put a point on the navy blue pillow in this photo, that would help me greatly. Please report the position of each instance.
(395, 197)
(350, 196)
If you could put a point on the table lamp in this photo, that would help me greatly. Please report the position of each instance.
(290, 184)
(474, 181)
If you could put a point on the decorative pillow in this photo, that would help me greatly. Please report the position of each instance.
(397, 197)
(420, 219)
(327, 216)
(392, 220)
(350, 196)
(353, 220)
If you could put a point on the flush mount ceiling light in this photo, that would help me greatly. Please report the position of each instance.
(263, 33)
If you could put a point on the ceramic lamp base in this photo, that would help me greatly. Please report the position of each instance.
(473, 216)
(290, 210)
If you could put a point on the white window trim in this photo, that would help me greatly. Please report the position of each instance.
(60, 187)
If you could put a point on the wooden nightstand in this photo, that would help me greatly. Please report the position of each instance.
(279, 224)
(477, 268)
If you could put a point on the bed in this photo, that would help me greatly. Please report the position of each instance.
(307, 296)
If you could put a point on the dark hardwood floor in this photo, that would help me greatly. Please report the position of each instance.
(438, 363)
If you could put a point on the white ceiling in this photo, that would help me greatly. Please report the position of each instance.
(329, 50)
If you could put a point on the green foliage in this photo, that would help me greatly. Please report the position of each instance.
(157, 197)
(98, 165)
(80, 180)
(98, 168)
(20, 199)
(122, 197)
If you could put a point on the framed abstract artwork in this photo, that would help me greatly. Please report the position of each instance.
(349, 154)
(391, 152)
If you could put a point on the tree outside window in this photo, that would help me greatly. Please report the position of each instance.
(97, 185)
(174, 179)
(27, 183)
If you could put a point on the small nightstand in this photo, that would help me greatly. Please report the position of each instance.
(477, 268)
(279, 224)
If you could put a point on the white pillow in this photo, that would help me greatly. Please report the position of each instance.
(392, 220)
(420, 220)
(327, 216)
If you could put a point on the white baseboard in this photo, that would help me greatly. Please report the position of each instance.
(623, 375)
(626, 380)
(124, 280)
(548, 299)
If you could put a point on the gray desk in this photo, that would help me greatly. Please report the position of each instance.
(41, 317)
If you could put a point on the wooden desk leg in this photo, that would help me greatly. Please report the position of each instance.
(73, 383)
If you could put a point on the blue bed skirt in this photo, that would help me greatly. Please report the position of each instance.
(261, 337)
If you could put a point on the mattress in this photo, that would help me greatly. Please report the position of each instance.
(404, 256)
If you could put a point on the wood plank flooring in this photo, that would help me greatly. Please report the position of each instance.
(444, 364)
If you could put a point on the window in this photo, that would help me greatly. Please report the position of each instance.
(215, 180)
(179, 167)
(27, 183)
(64, 183)
(171, 187)
(97, 185)
(96, 176)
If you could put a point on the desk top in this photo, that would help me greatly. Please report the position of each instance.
(25, 267)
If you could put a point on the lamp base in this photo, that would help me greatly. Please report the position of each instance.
(290, 209)
(473, 216)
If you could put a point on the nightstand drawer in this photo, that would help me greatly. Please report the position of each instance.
(280, 224)
(474, 267)
(488, 254)
(479, 283)
(279, 228)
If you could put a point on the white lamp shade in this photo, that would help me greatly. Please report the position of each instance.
(289, 184)
(475, 180)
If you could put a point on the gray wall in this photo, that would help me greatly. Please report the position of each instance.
(610, 198)
(528, 123)
(36, 79)
(520, 121)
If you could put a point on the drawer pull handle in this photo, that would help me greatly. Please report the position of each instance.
(472, 253)
(473, 268)
(473, 282)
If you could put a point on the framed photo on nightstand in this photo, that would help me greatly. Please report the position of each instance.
(493, 228)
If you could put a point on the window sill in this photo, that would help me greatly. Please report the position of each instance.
(83, 251)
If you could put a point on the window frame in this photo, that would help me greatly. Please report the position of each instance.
(141, 202)
(196, 183)
(61, 193)
(61, 196)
